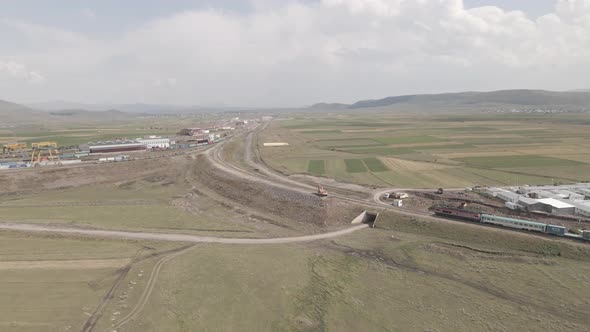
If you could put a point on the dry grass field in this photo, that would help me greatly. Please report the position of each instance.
(432, 150)
(49, 283)
(405, 275)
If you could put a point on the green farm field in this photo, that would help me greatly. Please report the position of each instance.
(317, 167)
(435, 150)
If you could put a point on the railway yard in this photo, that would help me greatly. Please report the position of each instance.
(229, 236)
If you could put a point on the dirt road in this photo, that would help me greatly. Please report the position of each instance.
(175, 237)
(148, 289)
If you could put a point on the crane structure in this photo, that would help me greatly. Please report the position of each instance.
(47, 150)
(13, 147)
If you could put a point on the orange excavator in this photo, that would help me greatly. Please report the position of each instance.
(321, 191)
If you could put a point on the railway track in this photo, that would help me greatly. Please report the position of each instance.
(268, 175)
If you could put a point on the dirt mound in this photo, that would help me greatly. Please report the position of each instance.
(290, 204)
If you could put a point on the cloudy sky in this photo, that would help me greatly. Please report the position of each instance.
(286, 53)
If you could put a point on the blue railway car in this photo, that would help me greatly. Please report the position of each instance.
(513, 223)
(555, 230)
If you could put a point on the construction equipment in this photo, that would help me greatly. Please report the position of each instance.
(398, 195)
(321, 191)
(49, 149)
(9, 148)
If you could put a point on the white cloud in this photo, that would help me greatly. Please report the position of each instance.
(298, 53)
(15, 70)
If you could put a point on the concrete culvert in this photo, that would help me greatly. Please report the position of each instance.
(366, 218)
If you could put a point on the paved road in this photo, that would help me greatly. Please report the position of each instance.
(175, 237)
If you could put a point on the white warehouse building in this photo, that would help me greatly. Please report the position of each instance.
(152, 142)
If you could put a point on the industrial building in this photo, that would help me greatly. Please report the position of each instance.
(193, 131)
(503, 194)
(555, 206)
(565, 199)
(115, 146)
(582, 208)
(155, 142)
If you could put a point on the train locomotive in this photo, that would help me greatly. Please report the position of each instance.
(464, 214)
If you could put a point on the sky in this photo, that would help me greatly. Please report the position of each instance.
(271, 53)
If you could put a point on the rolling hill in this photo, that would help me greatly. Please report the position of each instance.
(515, 98)
(12, 112)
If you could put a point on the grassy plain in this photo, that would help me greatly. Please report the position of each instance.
(436, 150)
(406, 275)
(153, 205)
(518, 161)
(49, 283)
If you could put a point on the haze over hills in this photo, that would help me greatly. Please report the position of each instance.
(60, 110)
(60, 105)
(12, 112)
(517, 98)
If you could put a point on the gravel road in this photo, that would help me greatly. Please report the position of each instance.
(175, 237)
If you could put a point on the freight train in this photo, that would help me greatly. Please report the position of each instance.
(459, 213)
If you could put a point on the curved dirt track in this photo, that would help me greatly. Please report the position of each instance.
(176, 237)
(148, 289)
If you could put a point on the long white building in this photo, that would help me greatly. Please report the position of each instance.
(152, 142)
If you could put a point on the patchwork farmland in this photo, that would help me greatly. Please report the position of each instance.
(434, 150)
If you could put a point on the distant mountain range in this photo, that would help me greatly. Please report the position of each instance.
(516, 98)
(60, 105)
(463, 101)
(13, 113)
